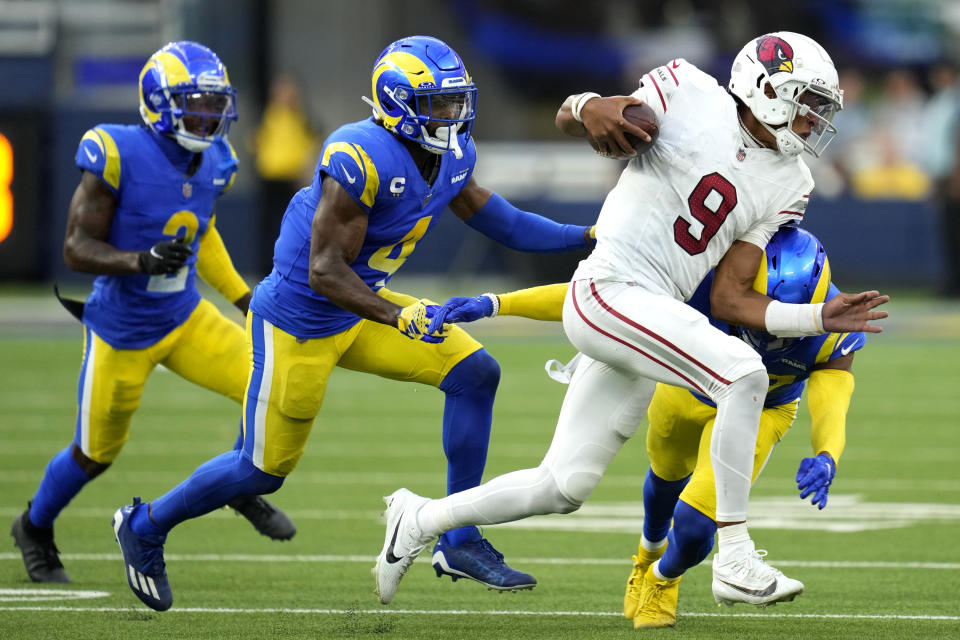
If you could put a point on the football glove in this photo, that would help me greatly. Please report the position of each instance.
(814, 477)
(166, 256)
(413, 321)
(459, 309)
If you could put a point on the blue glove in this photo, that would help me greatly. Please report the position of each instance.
(459, 309)
(412, 322)
(814, 476)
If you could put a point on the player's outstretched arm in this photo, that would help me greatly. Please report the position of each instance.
(537, 303)
(733, 300)
(589, 115)
(337, 234)
(521, 230)
(854, 312)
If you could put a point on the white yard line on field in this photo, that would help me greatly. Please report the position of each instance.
(250, 557)
(464, 612)
(847, 514)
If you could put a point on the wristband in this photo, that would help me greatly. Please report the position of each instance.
(577, 105)
(495, 301)
(794, 320)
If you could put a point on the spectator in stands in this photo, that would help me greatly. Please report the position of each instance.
(890, 166)
(285, 147)
(940, 145)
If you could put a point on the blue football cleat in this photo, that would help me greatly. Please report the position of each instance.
(143, 560)
(478, 560)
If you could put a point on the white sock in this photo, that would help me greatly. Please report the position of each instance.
(650, 545)
(433, 519)
(732, 540)
(655, 567)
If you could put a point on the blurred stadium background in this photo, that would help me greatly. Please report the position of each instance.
(67, 65)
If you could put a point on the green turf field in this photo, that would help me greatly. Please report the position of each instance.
(882, 561)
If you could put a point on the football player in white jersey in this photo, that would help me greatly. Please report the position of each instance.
(723, 175)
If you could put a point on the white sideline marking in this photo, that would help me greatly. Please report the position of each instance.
(384, 480)
(845, 513)
(465, 612)
(39, 595)
(308, 558)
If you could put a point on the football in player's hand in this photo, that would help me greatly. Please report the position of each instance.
(644, 117)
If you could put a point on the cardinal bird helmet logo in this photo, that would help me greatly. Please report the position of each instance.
(775, 54)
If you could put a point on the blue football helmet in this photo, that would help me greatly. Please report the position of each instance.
(185, 93)
(417, 81)
(794, 270)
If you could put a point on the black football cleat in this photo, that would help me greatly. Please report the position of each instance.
(265, 517)
(40, 554)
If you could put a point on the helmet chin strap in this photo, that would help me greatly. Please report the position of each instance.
(788, 142)
(448, 136)
(192, 144)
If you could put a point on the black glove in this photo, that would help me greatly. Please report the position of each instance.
(165, 257)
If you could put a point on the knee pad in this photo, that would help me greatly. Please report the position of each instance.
(574, 484)
(478, 372)
(753, 386)
(552, 493)
(298, 397)
(692, 534)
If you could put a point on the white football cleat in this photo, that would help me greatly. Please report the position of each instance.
(402, 543)
(748, 579)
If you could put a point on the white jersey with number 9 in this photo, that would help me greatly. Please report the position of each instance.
(679, 207)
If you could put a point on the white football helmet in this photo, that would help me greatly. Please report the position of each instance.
(804, 83)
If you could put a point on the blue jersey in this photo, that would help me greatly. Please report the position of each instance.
(155, 201)
(377, 170)
(789, 362)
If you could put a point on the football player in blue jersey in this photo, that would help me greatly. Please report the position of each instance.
(142, 219)
(680, 485)
(379, 186)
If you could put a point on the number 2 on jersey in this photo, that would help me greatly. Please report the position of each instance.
(711, 219)
(181, 223)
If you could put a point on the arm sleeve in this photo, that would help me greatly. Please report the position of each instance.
(828, 397)
(525, 231)
(216, 268)
(537, 303)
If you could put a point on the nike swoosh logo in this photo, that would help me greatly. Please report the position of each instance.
(91, 156)
(350, 178)
(846, 350)
(761, 593)
(392, 559)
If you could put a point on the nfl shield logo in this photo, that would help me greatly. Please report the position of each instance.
(187, 189)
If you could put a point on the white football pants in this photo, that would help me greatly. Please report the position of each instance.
(631, 339)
